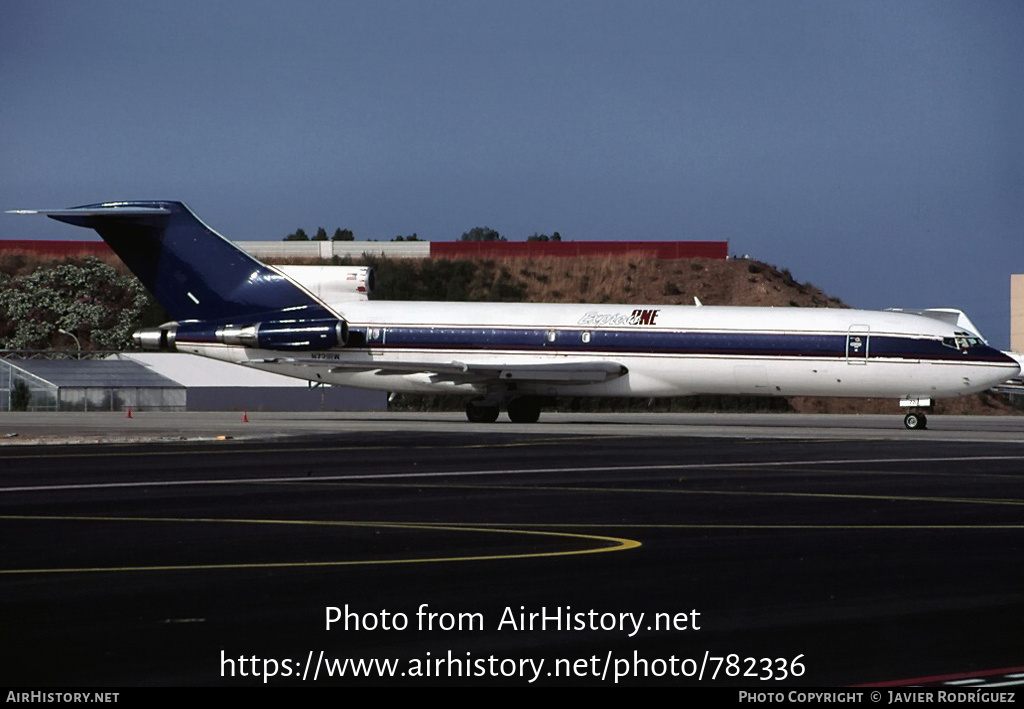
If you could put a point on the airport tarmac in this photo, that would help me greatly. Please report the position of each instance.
(112, 427)
(592, 550)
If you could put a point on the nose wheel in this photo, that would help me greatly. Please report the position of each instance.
(915, 421)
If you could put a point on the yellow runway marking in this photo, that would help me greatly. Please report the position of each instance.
(608, 544)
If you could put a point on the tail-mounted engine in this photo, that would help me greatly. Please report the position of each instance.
(286, 335)
(333, 284)
(300, 335)
(156, 339)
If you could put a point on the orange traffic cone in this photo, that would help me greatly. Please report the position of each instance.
(129, 412)
(245, 417)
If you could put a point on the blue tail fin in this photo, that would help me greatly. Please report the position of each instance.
(194, 272)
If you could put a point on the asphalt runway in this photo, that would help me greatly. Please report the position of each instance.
(116, 427)
(593, 551)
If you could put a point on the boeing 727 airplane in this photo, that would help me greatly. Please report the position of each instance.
(229, 306)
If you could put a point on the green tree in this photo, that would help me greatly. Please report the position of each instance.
(297, 235)
(21, 395)
(482, 233)
(343, 235)
(544, 237)
(84, 296)
(321, 234)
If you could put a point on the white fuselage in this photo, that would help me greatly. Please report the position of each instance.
(665, 350)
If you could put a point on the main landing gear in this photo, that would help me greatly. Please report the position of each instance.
(523, 409)
(478, 412)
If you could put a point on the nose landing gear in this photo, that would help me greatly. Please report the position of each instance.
(915, 421)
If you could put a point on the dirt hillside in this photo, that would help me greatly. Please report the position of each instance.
(646, 280)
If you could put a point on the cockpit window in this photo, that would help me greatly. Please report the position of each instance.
(962, 342)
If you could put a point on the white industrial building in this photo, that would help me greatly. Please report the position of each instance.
(164, 381)
(212, 385)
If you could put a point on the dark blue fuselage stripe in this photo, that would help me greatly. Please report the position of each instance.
(661, 343)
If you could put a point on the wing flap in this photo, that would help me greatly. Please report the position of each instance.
(554, 372)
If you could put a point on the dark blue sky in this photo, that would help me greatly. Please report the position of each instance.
(874, 148)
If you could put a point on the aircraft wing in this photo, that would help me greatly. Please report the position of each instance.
(556, 372)
(1010, 386)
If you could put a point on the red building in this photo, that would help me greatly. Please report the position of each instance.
(56, 249)
(578, 249)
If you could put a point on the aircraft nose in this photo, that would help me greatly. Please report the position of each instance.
(1011, 359)
(997, 368)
